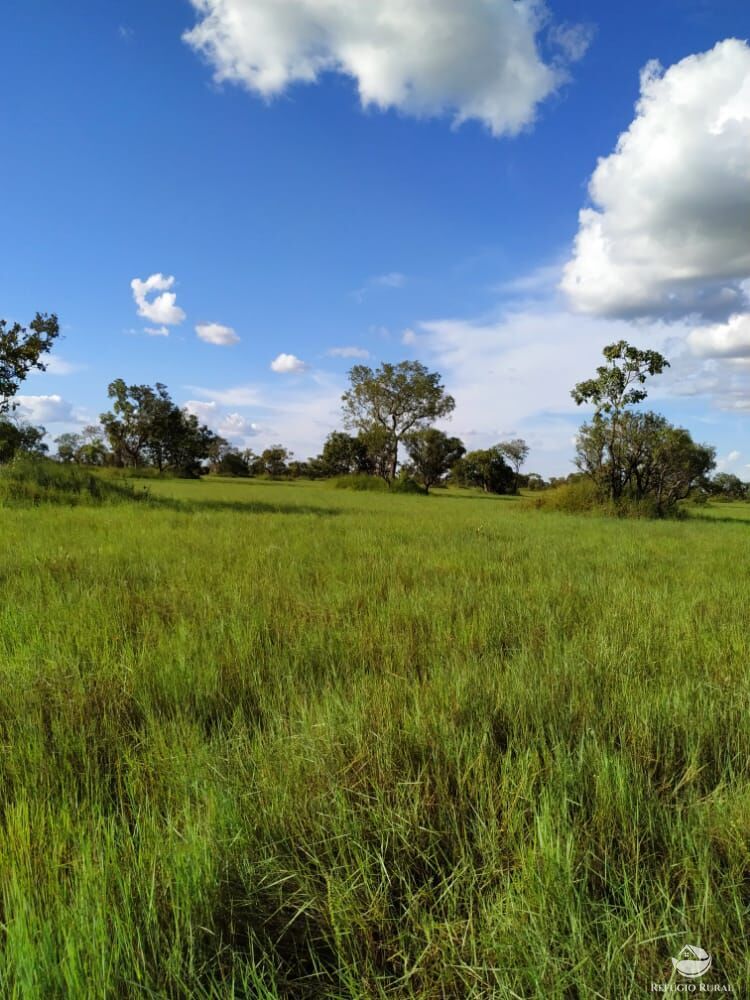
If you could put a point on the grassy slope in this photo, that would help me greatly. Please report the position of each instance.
(298, 742)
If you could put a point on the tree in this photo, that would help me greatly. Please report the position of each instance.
(377, 455)
(727, 486)
(617, 386)
(433, 454)
(147, 427)
(275, 461)
(516, 452)
(19, 438)
(643, 458)
(397, 399)
(128, 426)
(485, 469)
(93, 449)
(21, 349)
(68, 446)
(86, 448)
(344, 454)
(231, 463)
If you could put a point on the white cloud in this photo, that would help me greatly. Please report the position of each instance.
(235, 427)
(205, 411)
(161, 308)
(667, 235)
(56, 365)
(44, 409)
(408, 337)
(156, 331)
(287, 364)
(298, 415)
(215, 333)
(473, 59)
(348, 352)
(728, 340)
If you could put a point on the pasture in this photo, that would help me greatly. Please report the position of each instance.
(284, 741)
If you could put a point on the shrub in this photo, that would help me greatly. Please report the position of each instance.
(405, 484)
(582, 497)
(37, 481)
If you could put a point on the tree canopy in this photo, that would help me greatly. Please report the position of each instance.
(396, 398)
(21, 352)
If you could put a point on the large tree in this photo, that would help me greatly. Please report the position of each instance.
(642, 458)
(433, 455)
(485, 469)
(21, 351)
(396, 398)
(618, 385)
(147, 427)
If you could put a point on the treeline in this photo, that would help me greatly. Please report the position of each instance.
(627, 458)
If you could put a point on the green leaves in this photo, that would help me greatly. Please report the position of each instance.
(21, 349)
(617, 385)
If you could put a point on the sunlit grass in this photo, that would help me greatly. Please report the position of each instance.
(280, 740)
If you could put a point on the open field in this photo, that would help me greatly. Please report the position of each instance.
(286, 741)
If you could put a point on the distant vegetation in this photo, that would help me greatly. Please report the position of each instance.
(630, 461)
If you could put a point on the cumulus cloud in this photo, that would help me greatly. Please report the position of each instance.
(349, 352)
(156, 331)
(155, 301)
(235, 427)
(477, 59)
(728, 340)
(44, 409)
(287, 364)
(667, 232)
(215, 333)
(299, 415)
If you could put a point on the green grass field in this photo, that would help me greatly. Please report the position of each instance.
(282, 740)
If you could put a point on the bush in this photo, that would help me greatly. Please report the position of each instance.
(28, 481)
(360, 482)
(404, 484)
(582, 497)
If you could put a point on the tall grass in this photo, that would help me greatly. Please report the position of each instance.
(299, 742)
(40, 481)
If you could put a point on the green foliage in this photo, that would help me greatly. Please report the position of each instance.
(33, 481)
(485, 469)
(18, 438)
(433, 454)
(403, 483)
(726, 486)
(619, 383)
(86, 448)
(394, 399)
(21, 352)
(641, 458)
(281, 741)
(275, 461)
(146, 428)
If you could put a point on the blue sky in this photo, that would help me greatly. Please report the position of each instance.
(241, 163)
